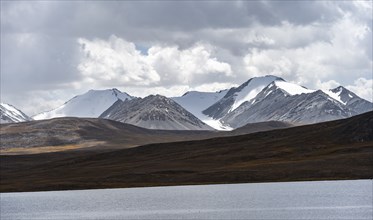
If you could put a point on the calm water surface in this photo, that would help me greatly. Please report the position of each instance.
(292, 200)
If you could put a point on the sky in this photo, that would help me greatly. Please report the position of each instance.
(54, 50)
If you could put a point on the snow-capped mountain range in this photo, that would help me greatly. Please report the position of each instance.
(10, 114)
(283, 101)
(267, 98)
(270, 98)
(275, 103)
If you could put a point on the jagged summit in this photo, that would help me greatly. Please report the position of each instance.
(290, 88)
(114, 91)
(157, 98)
(351, 100)
(345, 95)
(252, 82)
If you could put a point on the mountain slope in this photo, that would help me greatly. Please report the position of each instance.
(10, 114)
(89, 105)
(236, 96)
(195, 102)
(154, 112)
(275, 103)
(351, 100)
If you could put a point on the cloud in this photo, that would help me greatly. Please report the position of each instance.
(64, 48)
(117, 62)
(37, 62)
(214, 87)
(343, 56)
(363, 88)
(331, 84)
(178, 90)
(169, 91)
(159, 20)
(190, 66)
(38, 101)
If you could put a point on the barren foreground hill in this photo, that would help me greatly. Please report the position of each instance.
(62, 134)
(340, 149)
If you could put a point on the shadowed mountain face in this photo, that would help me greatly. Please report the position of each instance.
(340, 149)
(154, 112)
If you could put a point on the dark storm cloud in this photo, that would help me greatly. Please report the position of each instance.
(168, 22)
(100, 18)
(302, 12)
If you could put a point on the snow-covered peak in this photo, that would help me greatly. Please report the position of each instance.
(344, 94)
(251, 89)
(349, 98)
(335, 95)
(90, 104)
(10, 114)
(107, 92)
(338, 89)
(292, 89)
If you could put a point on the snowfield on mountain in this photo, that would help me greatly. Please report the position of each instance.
(89, 105)
(10, 114)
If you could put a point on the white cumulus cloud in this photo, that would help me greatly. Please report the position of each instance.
(117, 62)
(363, 88)
(342, 56)
(189, 66)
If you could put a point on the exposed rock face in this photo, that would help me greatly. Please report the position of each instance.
(236, 96)
(274, 104)
(154, 112)
(353, 101)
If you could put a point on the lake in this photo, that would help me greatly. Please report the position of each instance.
(286, 200)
